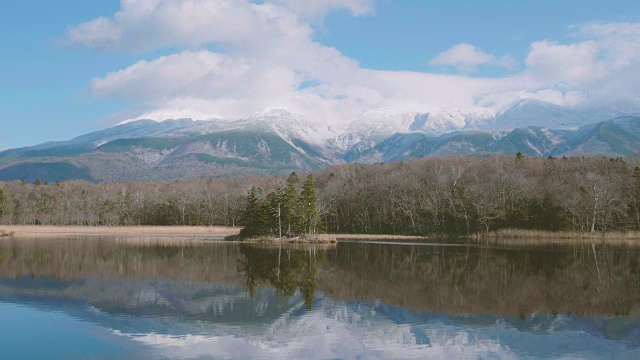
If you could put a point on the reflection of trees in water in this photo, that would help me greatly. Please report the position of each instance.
(459, 279)
(582, 280)
(285, 268)
(67, 259)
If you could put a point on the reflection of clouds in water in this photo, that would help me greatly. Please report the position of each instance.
(329, 333)
(357, 330)
(333, 344)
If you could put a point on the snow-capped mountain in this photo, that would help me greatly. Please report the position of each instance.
(276, 141)
(368, 129)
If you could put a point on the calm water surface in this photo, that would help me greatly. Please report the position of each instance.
(102, 298)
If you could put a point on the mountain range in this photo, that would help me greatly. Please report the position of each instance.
(276, 141)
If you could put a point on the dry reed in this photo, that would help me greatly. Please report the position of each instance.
(174, 232)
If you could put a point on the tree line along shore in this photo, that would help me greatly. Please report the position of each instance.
(458, 196)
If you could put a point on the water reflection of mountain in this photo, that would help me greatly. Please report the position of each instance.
(200, 319)
(142, 305)
(366, 300)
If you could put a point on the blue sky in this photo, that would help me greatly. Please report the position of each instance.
(43, 86)
(412, 32)
(56, 81)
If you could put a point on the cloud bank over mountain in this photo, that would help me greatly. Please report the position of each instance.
(228, 59)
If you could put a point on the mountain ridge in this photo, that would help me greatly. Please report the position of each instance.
(277, 141)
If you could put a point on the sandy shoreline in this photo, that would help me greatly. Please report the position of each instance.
(182, 232)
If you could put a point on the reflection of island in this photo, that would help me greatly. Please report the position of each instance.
(285, 268)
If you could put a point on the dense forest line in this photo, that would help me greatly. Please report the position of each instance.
(449, 195)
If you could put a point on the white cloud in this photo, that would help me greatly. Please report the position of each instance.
(467, 58)
(266, 57)
(507, 62)
(619, 42)
(573, 63)
(314, 9)
(98, 33)
(554, 96)
(232, 87)
(463, 55)
(201, 72)
(619, 54)
(143, 25)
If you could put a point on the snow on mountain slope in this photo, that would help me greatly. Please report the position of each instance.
(371, 127)
(163, 115)
(309, 136)
(339, 141)
(447, 121)
(437, 123)
(281, 121)
(293, 126)
(276, 141)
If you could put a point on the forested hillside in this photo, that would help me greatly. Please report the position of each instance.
(452, 195)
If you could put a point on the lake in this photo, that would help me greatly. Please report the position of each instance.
(112, 299)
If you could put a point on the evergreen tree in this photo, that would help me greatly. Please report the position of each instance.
(308, 203)
(289, 202)
(251, 216)
(270, 214)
